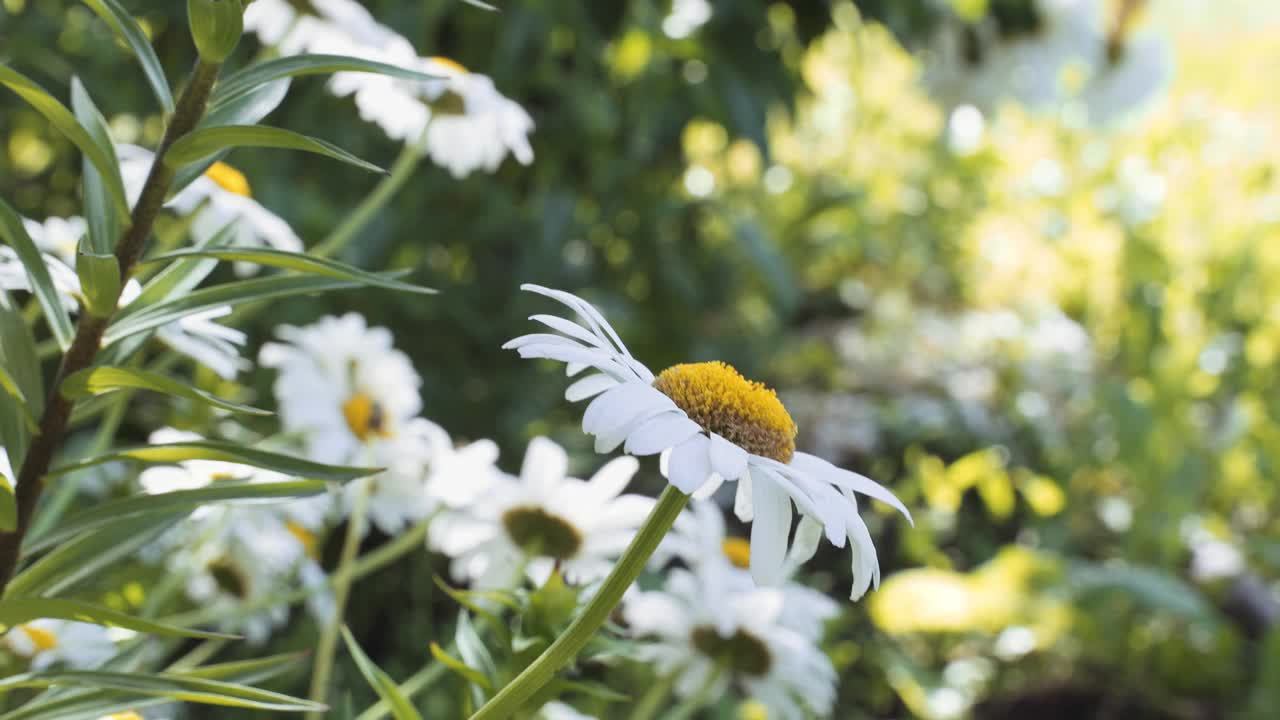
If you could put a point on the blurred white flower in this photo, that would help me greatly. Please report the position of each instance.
(685, 18)
(73, 644)
(543, 520)
(556, 710)
(460, 119)
(711, 425)
(712, 628)
(342, 387)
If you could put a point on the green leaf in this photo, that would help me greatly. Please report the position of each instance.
(13, 232)
(18, 610)
(124, 25)
(300, 262)
(1148, 586)
(248, 79)
(84, 555)
(8, 505)
(380, 681)
(99, 210)
(99, 281)
(178, 501)
(204, 142)
(65, 122)
(133, 321)
(169, 685)
(22, 365)
(169, 453)
(469, 673)
(180, 278)
(103, 380)
(10, 386)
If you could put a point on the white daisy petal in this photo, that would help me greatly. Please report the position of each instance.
(709, 488)
(866, 567)
(616, 405)
(846, 479)
(690, 466)
(589, 386)
(572, 329)
(742, 505)
(545, 464)
(541, 339)
(769, 529)
(610, 480)
(661, 432)
(727, 459)
(577, 354)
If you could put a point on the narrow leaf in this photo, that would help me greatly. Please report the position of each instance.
(8, 505)
(124, 25)
(10, 386)
(99, 209)
(204, 142)
(99, 281)
(170, 453)
(178, 501)
(246, 80)
(170, 685)
(15, 234)
(469, 673)
(103, 380)
(17, 610)
(83, 556)
(21, 363)
(65, 122)
(300, 262)
(380, 681)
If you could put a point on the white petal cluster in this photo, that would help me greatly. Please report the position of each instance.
(47, 642)
(775, 632)
(459, 119)
(628, 410)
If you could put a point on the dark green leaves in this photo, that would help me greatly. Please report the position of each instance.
(208, 141)
(225, 452)
(245, 81)
(100, 210)
(13, 232)
(123, 24)
(19, 405)
(18, 610)
(300, 262)
(103, 380)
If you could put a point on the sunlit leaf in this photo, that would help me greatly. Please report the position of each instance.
(103, 380)
(300, 262)
(99, 281)
(204, 142)
(124, 25)
(169, 685)
(225, 452)
(469, 673)
(84, 555)
(381, 683)
(15, 234)
(18, 610)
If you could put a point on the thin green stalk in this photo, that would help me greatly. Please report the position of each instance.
(696, 701)
(328, 644)
(400, 173)
(652, 700)
(419, 681)
(512, 697)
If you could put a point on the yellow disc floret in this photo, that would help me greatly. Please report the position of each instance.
(42, 639)
(228, 178)
(450, 63)
(364, 417)
(744, 412)
(310, 543)
(126, 715)
(738, 550)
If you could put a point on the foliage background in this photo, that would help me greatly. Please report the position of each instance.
(1061, 482)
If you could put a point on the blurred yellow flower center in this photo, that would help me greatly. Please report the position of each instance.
(741, 652)
(744, 412)
(539, 532)
(229, 578)
(41, 638)
(228, 178)
(364, 417)
(308, 539)
(126, 715)
(451, 64)
(753, 710)
(738, 550)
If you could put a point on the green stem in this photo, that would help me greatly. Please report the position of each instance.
(696, 701)
(648, 706)
(566, 647)
(419, 681)
(328, 644)
(400, 173)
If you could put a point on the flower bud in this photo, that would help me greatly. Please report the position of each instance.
(216, 26)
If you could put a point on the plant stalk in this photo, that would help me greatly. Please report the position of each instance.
(541, 671)
(408, 160)
(89, 330)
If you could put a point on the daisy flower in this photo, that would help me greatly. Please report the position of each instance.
(73, 644)
(219, 198)
(342, 386)
(460, 119)
(711, 425)
(543, 520)
(715, 631)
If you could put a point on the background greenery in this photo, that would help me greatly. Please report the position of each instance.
(1059, 347)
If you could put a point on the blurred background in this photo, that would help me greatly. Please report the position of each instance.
(1028, 293)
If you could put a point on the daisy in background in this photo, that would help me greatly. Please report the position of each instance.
(460, 119)
(49, 642)
(711, 628)
(711, 425)
(542, 520)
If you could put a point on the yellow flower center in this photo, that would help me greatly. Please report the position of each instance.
(753, 710)
(744, 412)
(540, 533)
(365, 417)
(229, 578)
(451, 64)
(126, 715)
(41, 638)
(741, 653)
(738, 550)
(228, 178)
(308, 540)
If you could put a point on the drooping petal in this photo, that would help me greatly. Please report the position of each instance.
(597, 323)
(769, 529)
(543, 339)
(690, 465)
(847, 480)
(866, 566)
(589, 386)
(572, 329)
(742, 505)
(727, 459)
(805, 543)
(661, 432)
(709, 488)
(616, 404)
(577, 354)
